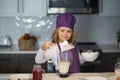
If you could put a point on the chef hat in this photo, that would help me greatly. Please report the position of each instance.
(65, 20)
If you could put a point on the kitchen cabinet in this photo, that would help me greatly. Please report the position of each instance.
(23, 8)
(106, 64)
(94, 66)
(8, 63)
(33, 8)
(109, 7)
(18, 63)
(26, 63)
(9, 7)
(108, 61)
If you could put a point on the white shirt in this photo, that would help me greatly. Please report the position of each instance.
(51, 53)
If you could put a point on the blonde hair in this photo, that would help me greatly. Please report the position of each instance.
(55, 38)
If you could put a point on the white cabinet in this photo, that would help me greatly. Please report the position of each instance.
(110, 7)
(9, 7)
(23, 8)
(33, 7)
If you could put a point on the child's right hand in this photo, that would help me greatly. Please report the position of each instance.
(46, 45)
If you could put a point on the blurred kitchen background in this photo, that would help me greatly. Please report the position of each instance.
(89, 28)
(100, 28)
(96, 30)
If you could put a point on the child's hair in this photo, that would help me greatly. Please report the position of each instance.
(55, 38)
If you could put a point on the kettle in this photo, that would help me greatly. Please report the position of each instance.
(5, 41)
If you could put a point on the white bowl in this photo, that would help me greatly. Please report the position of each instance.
(90, 56)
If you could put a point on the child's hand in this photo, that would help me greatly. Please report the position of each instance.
(46, 45)
(89, 51)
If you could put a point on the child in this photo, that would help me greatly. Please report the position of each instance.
(63, 33)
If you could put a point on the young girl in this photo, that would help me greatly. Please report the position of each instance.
(63, 33)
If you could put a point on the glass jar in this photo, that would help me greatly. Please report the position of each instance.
(37, 72)
(117, 68)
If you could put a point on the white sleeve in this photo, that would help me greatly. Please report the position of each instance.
(82, 60)
(40, 57)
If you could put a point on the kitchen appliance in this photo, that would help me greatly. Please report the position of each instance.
(73, 6)
(5, 41)
(64, 62)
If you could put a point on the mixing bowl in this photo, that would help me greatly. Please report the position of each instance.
(90, 56)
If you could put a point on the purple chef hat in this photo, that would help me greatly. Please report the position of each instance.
(66, 20)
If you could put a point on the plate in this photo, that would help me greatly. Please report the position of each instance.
(96, 78)
(3, 78)
(19, 76)
(113, 77)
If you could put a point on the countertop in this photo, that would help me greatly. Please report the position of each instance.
(109, 48)
(14, 49)
(54, 76)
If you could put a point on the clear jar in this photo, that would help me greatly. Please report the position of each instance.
(37, 72)
(117, 68)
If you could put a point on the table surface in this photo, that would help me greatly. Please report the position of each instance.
(55, 76)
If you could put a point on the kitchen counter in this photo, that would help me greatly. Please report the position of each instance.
(14, 49)
(54, 76)
(109, 48)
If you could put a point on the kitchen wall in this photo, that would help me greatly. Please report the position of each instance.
(100, 29)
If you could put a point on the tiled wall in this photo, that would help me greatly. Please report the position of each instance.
(96, 28)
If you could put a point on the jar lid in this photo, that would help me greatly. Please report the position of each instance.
(37, 66)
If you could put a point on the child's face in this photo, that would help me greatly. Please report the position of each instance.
(64, 33)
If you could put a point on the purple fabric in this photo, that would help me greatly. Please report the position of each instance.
(75, 66)
(65, 20)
